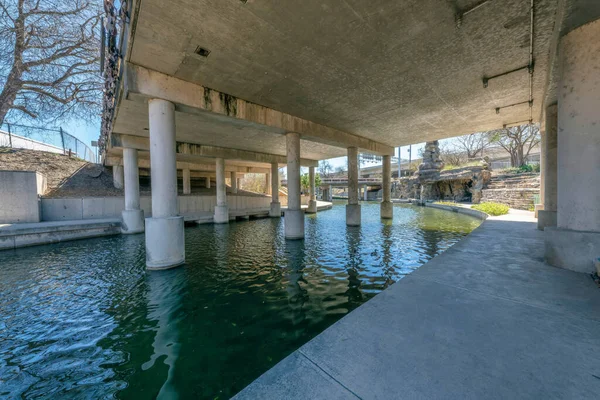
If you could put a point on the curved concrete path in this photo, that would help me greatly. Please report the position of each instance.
(487, 319)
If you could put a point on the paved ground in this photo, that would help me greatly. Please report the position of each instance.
(486, 319)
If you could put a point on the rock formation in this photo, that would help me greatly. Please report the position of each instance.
(429, 171)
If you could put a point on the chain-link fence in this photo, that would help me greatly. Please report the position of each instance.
(52, 140)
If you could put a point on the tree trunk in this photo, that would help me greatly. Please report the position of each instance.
(13, 80)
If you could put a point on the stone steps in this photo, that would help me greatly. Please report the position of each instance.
(519, 198)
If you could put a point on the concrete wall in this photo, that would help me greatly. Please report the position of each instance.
(111, 207)
(19, 201)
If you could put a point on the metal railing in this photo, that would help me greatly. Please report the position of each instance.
(43, 139)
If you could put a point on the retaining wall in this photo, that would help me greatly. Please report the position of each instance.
(110, 207)
(19, 196)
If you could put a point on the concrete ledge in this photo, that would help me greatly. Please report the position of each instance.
(461, 210)
(546, 219)
(32, 234)
(574, 250)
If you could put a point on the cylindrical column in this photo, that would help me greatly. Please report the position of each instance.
(575, 242)
(207, 184)
(275, 210)
(187, 181)
(132, 217)
(267, 183)
(234, 182)
(353, 208)
(294, 216)
(312, 202)
(118, 176)
(165, 238)
(366, 193)
(221, 210)
(386, 207)
(547, 216)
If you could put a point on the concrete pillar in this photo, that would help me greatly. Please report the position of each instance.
(386, 209)
(132, 216)
(365, 193)
(187, 182)
(275, 210)
(234, 182)
(118, 177)
(221, 210)
(294, 216)
(165, 237)
(330, 193)
(312, 202)
(353, 208)
(549, 169)
(575, 242)
(207, 184)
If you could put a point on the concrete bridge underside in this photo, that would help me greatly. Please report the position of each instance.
(258, 84)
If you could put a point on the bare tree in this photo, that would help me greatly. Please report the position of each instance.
(49, 58)
(324, 168)
(450, 155)
(518, 142)
(473, 145)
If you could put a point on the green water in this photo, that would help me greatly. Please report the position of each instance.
(84, 319)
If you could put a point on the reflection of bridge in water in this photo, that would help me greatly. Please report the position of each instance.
(365, 185)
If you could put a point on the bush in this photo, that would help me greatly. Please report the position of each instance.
(522, 169)
(494, 209)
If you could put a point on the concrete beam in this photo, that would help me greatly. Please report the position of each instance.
(142, 83)
(191, 149)
(145, 163)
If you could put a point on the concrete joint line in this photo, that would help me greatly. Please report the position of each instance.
(329, 375)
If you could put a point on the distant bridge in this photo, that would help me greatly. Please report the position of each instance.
(343, 182)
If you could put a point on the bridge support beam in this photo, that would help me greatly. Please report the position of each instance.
(547, 216)
(267, 183)
(207, 183)
(275, 210)
(132, 216)
(312, 202)
(187, 181)
(353, 214)
(294, 216)
(386, 207)
(118, 177)
(234, 182)
(221, 210)
(575, 242)
(165, 237)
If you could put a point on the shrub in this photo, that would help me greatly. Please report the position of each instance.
(491, 208)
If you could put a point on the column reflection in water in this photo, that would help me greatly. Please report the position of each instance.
(165, 289)
(353, 266)
(297, 296)
(388, 266)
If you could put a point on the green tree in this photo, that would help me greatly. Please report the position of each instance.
(305, 181)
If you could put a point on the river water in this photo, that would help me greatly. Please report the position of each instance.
(84, 319)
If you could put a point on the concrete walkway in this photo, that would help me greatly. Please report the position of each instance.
(487, 319)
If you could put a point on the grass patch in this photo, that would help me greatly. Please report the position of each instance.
(523, 169)
(494, 209)
(445, 203)
(468, 164)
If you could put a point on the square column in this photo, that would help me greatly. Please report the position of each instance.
(549, 171)
(187, 181)
(575, 243)
(353, 208)
(234, 182)
(312, 202)
(132, 218)
(207, 184)
(221, 210)
(386, 209)
(165, 237)
(294, 216)
(275, 210)
(118, 176)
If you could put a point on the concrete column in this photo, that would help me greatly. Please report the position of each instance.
(187, 181)
(549, 169)
(353, 208)
(365, 193)
(132, 216)
(330, 193)
(386, 209)
(165, 237)
(118, 177)
(207, 184)
(275, 210)
(575, 242)
(221, 210)
(234, 182)
(294, 216)
(312, 202)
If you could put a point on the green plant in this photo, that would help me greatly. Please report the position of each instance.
(494, 209)
(305, 181)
